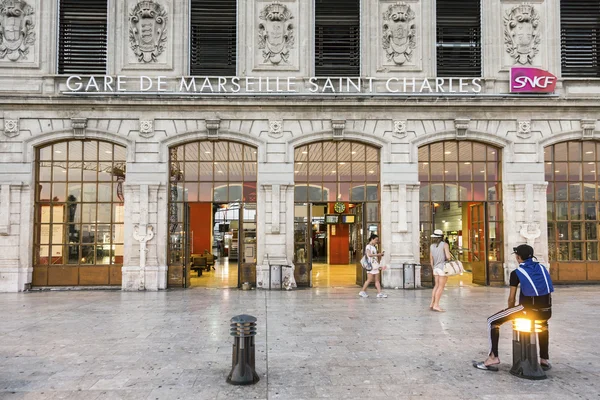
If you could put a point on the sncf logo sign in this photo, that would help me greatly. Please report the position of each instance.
(531, 80)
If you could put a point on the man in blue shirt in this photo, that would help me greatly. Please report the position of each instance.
(535, 302)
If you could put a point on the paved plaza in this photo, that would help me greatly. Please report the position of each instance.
(320, 343)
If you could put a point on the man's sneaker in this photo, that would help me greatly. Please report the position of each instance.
(363, 294)
(381, 295)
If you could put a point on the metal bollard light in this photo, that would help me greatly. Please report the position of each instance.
(525, 355)
(243, 329)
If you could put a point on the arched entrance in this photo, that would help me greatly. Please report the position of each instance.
(573, 199)
(461, 194)
(212, 214)
(336, 198)
(79, 214)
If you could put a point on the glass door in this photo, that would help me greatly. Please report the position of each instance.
(303, 245)
(359, 241)
(477, 239)
(247, 244)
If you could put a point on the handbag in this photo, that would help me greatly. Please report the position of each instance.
(366, 264)
(453, 267)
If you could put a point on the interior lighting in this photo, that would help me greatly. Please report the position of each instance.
(296, 171)
(57, 151)
(220, 172)
(589, 152)
(353, 152)
(445, 172)
(447, 152)
(108, 152)
(305, 152)
(342, 163)
(592, 171)
(483, 172)
(333, 172)
(467, 163)
(557, 171)
(590, 163)
(207, 152)
(371, 172)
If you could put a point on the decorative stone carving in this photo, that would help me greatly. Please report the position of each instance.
(146, 128)
(399, 33)
(16, 29)
(276, 128)
(338, 129)
(143, 238)
(79, 125)
(400, 129)
(521, 35)
(524, 131)
(531, 231)
(148, 30)
(462, 126)
(212, 127)
(11, 127)
(588, 127)
(275, 33)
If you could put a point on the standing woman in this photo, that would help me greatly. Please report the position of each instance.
(439, 252)
(373, 274)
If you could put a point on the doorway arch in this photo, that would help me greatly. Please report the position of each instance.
(79, 213)
(212, 214)
(337, 205)
(461, 194)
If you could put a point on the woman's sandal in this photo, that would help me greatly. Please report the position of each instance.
(481, 365)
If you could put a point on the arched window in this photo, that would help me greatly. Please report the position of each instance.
(79, 213)
(573, 200)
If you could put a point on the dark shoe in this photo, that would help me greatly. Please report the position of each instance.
(546, 366)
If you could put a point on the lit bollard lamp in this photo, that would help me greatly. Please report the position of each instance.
(243, 329)
(525, 355)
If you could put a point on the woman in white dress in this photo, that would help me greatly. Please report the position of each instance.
(374, 273)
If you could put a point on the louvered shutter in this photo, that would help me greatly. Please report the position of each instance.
(458, 38)
(337, 37)
(213, 31)
(580, 38)
(82, 37)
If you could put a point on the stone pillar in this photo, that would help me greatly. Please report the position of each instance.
(400, 231)
(145, 227)
(15, 237)
(525, 221)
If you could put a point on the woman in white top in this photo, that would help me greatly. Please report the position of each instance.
(439, 252)
(373, 274)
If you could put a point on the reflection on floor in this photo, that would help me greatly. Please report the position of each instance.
(465, 279)
(225, 275)
(325, 275)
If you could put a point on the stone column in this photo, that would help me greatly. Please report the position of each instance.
(15, 237)
(525, 221)
(399, 230)
(141, 269)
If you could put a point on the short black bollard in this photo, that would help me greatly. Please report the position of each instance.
(243, 329)
(525, 355)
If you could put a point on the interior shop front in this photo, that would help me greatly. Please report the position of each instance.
(212, 215)
(336, 209)
(461, 195)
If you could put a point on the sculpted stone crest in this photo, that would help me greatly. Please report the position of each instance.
(148, 30)
(16, 29)
(276, 33)
(521, 36)
(399, 33)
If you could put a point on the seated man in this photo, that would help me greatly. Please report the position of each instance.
(535, 302)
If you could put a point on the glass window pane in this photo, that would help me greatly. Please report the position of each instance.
(466, 191)
(330, 191)
(104, 192)
(190, 172)
(236, 171)
(301, 154)
(250, 173)
(206, 191)
(60, 151)
(206, 171)
(45, 172)
(76, 150)
(59, 192)
(221, 151)
(492, 154)
(577, 251)
(589, 151)
(90, 150)
(45, 153)
(423, 171)
(301, 193)
(235, 151)
(344, 191)
(358, 152)
(206, 151)
(561, 190)
(450, 151)
(315, 172)
(574, 191)
(464, 171)
(191, 191)
(300, 173)
(437, 192)
(465, 151)
(44, 191)
(479, 192)
(221, 171)
(235, 192)
(437, 152)
(574, 151)
(329, 172)
(590, 211)
(437, 172)
(59, 171)
(358, 193)
(372, 154)
(563, 230)
(576, 233)
(575, 174)
(88, 213)
(329, 151)
(575, 211)
(105, 152)
(372, 212)
(424, 192)
(220, 192)
(344, 151)
(479, 171)
(423, 153)
(372, 172)
(591, 231)
(104, 213)
(589, 171)
(562, 211)
(359, 172)
(315, 193)
(592, 251)
(344, 171)
(560, 152)
(250, 153)
(479, 152)
(315, 152)
(451, 172)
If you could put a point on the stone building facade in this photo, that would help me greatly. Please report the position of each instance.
(400, 105)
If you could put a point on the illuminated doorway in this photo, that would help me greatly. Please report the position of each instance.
(461, 195)
(337, 208)
(212, 215)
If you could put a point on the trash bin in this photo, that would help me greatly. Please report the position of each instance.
(274, 270)
(243, 330)
(413, 267)
(525, 355)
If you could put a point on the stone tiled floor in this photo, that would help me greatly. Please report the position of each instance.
(320, 343)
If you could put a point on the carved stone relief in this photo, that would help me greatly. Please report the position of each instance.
(16, 29)
(462, 127)
(11, 127)
(400, 129)
(79, 125)
(521, 35)
(399, 33)
(338, 127)
(276, 128)
(524, 131)
(148, 30)
(275, 33)
(146, 128)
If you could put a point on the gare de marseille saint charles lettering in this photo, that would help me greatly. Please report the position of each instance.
(522, 80)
